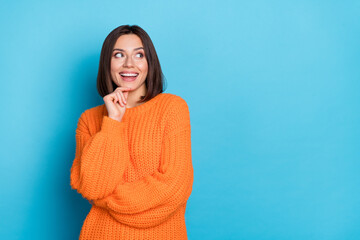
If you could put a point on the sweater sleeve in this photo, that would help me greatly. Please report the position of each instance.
(155, 198)
(100, 159)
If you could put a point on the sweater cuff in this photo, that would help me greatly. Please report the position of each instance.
(112, 127)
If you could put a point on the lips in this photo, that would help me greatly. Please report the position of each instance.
(129, 76)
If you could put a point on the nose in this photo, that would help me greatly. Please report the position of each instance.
(128, 62)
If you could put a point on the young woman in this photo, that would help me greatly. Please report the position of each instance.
(133, 153)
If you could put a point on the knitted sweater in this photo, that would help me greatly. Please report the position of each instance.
(138, 172)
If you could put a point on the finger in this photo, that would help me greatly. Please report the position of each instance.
(120, 99)
(125, 95)
(112, 98)
(116, 98)
(123, 98)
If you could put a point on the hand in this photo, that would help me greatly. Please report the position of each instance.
(115, 102)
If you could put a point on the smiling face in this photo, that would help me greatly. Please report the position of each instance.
(129, 66)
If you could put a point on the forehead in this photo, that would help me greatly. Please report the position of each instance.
(128, 42)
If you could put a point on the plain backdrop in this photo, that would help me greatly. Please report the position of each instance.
(273, 89)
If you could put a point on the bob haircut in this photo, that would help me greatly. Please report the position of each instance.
(154, 80)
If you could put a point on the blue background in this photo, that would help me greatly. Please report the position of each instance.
(273, 91)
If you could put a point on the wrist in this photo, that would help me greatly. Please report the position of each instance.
(112, 126)
(116, 118)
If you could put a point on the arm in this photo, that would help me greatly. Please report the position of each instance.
(100, 159)
(155, 198)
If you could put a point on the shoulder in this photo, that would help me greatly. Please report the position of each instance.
(176, 112)
(173, 101)
(92, 117)
(93, 112)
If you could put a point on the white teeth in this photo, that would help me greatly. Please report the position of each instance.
(129, 74)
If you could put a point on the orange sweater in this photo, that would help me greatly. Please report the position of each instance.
(138, 172)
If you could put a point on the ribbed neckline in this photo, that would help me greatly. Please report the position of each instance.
(144, 106)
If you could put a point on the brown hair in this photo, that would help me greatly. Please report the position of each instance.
(154, 80)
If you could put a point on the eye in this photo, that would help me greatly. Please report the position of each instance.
(119, 55)
(139, 55)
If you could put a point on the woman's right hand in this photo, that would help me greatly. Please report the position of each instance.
(115, 102)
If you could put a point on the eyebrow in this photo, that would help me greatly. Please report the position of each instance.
(119, 49)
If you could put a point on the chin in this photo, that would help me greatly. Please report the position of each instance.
(132, 85)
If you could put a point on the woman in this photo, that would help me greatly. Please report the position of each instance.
(133, 153)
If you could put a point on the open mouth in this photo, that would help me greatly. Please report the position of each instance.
(128, 77)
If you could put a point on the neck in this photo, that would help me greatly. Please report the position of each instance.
(135, 96)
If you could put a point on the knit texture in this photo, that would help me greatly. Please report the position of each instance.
(138, 172)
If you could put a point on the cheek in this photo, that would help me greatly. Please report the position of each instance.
(115, 66)
(144, 67)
